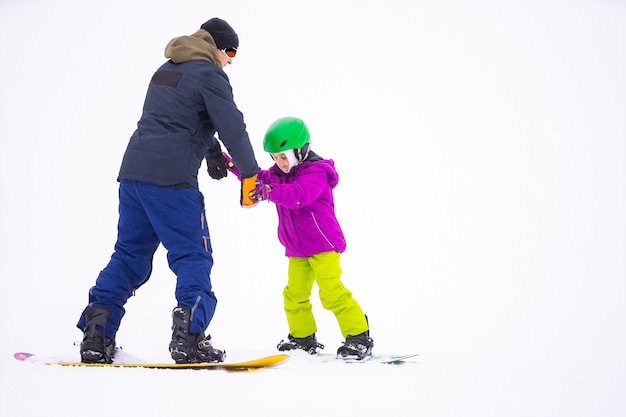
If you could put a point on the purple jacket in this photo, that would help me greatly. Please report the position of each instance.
(306, 210)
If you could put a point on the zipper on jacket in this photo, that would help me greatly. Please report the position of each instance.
(320, 230)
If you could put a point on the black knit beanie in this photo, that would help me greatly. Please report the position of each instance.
(223, 34)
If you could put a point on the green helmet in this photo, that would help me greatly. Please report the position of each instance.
(286, 133)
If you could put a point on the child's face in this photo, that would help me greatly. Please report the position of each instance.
(282, 161)
(285, 160)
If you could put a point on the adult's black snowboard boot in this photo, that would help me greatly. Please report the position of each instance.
(187, 347)
(96, 347)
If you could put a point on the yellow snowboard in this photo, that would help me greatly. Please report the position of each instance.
(262, 362)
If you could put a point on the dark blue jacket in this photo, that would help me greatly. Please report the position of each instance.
(186, 104)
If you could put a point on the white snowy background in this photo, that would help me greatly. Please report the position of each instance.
(481, 148)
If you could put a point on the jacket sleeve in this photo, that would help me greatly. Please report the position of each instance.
(229, 123)
(306, 189)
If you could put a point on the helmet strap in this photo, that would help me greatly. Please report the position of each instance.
(303, 152)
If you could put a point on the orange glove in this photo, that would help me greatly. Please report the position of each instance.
(247, 187)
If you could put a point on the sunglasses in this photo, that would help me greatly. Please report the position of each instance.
(229, 52)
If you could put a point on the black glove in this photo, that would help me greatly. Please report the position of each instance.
(217, 166)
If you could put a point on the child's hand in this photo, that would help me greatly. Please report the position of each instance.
(261, 192)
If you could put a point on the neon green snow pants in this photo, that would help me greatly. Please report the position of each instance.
(324, 269)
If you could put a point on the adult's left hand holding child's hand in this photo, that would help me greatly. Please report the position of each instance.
(217, 165)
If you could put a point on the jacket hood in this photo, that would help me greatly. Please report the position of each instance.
(200, 45)
(331, 172)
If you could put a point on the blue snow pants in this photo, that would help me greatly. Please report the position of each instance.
(148, 216)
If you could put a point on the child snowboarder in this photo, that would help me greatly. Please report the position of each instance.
(301, 185)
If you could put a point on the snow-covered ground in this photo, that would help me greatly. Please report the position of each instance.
(480, 146)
